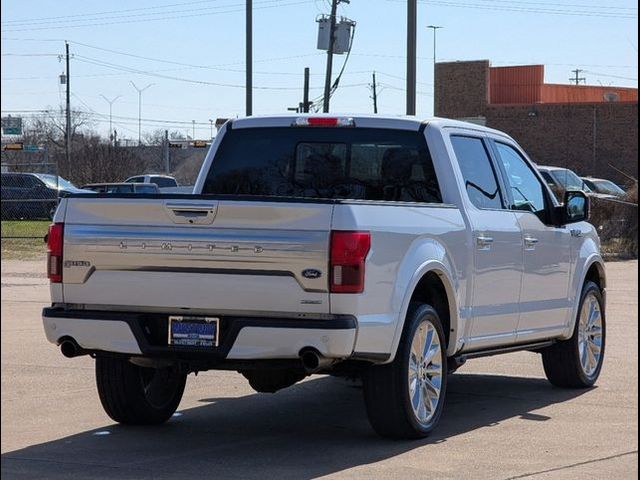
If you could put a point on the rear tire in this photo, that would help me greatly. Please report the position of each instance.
(405, 398)
(136, 395)
(577, 362)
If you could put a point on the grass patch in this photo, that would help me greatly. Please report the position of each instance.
(29, 247)
(35, 229)
(22, 248)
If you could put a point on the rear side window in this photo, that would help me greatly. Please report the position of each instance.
(10, 181)
(120, 189)
(163, 182)
(325, 163)
(146, 189)
(477, 171)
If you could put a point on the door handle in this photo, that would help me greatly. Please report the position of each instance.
(484, 242)
(192, 213)
(530, 242)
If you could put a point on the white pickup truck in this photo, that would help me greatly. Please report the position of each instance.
(385, 248)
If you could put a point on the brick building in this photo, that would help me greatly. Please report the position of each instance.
(581, 127)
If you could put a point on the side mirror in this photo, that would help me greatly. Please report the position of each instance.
(576, 207)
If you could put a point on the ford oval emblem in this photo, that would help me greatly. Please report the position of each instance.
(311, 273)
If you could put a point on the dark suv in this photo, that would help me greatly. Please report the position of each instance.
(32, 196)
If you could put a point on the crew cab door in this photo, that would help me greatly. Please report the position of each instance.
(544, 300)
(496, 244)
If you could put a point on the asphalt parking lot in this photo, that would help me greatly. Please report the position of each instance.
(502, 418)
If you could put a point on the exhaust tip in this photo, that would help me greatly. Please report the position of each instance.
(310, 360)
(69, 348)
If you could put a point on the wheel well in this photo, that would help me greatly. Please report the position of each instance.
(431, 290)
(596, 275)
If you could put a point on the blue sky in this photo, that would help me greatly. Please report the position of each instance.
(203, 41)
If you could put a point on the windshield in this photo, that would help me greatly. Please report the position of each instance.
(324, 163)
(50, 181)
(606, 186)
(569, 180)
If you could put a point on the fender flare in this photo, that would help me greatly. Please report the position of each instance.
(593, 259)
(444, 272)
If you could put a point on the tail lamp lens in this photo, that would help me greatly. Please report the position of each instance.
(349, 251)
(54, 252)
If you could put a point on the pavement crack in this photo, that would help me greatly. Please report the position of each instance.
(573, 465)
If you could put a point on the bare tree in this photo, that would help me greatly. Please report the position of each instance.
(51, 126)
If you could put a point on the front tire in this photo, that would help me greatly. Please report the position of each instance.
(136, 395)
(405, 398)
(577, 362)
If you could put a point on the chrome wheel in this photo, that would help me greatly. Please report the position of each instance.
(425, 372)
(590, 335)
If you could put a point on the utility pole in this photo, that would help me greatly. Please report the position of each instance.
(211, 125)
(577, 79)
(140, 109)
(374, 90)
(412, 50)
(435, 94)
(332, 42)
(193, 124)
(305, 97)
(249, 59)
(165, 151)
(111, 102)
(68, 126)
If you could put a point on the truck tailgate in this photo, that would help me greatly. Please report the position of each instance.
(172, 253)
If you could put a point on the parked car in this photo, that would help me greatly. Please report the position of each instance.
(604, 187)
(562, 179)
(32, 196)
(163, 181)
(122, 187)
(386, 248)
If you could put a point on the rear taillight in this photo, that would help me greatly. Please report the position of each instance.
(348, 254)
(54, 252)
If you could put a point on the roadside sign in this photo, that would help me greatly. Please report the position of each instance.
(199, 144)
(13, 146)
(11, 125)
(31, 148)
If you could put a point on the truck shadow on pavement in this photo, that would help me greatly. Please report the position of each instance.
(315, 428)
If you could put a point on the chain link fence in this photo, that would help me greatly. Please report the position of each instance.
(617, 224)
(29, 198)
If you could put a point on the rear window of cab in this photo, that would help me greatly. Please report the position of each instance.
(325, 163)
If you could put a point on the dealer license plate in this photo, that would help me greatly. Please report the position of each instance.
(194, 331)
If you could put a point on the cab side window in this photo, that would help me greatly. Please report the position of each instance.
(526, 189)
(478, 173)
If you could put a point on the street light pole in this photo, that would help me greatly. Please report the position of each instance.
(140, 109)
(111, 102)
(249, 57)
(412, 48)
(434, 28)
(211, 125)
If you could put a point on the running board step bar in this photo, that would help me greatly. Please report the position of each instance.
(457, 361)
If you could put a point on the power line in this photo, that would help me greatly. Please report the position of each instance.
(173, 17)
(547, 11)
(610, 75)
(274, 59)
(108, 12)
(92, 112)
(564, 5)
(97, 62)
